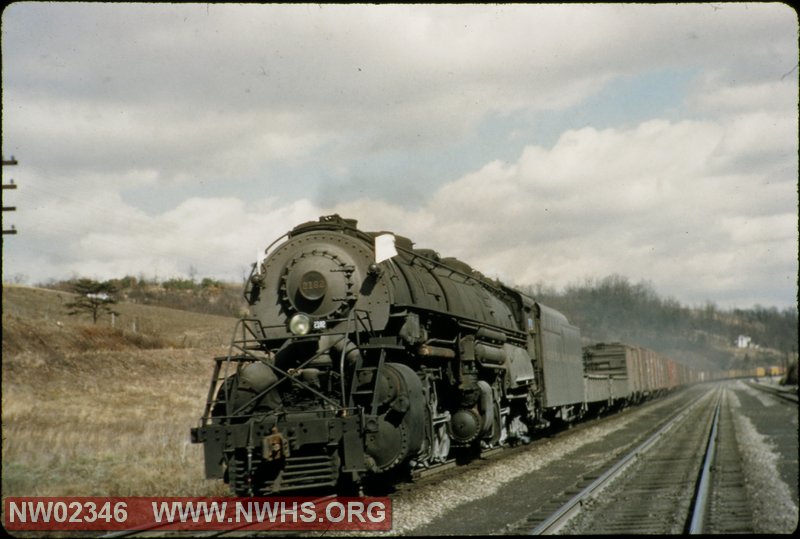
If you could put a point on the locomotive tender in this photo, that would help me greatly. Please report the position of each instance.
(362, 355)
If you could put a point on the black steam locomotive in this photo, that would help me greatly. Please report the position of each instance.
(363, 355)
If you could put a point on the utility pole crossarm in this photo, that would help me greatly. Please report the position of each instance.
(11, 185)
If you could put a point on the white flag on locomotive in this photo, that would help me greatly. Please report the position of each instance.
(260, 257)
(384, 247)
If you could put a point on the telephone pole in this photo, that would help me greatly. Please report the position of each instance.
(10, 185)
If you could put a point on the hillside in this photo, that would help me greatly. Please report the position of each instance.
(176, 313)
(35, 320)
(614, 309)
(95, 410)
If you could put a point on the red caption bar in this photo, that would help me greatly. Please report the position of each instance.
(111, 514)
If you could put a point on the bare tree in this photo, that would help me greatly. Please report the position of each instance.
(94, 298)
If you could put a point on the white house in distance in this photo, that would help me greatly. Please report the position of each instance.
(743, 341)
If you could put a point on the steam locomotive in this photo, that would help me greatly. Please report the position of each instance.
(363, 356)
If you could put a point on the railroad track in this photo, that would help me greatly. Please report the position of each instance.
(788, 394)
(729, 509)
(665, 485)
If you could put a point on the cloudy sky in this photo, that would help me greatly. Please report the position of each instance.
(540, 143)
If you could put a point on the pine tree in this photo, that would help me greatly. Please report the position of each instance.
(94, 298)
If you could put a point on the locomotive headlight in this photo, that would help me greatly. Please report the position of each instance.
(300, 324)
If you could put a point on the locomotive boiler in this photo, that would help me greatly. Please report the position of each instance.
(363, 355)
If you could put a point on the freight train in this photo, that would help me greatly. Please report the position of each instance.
(362, 356)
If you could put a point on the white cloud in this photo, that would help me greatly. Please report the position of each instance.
(208, 110)
(647, 202)
(380, 74)
(714, 93)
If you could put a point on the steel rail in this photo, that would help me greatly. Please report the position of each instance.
(700, 506)
(788, 393)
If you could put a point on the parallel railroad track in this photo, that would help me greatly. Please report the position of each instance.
(788, 394)
(665, 485)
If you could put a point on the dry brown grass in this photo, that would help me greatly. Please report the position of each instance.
(102, 422)
(170, 327)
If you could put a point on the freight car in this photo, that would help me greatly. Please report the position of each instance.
(622, 372)
(363, 356)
